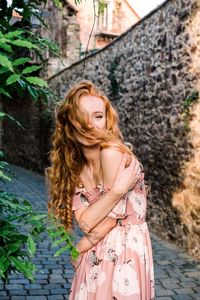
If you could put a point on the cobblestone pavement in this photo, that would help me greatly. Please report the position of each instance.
(177, 276)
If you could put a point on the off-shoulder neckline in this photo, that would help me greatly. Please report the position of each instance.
(99, 185)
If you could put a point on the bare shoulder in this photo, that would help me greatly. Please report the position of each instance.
(110, 161)
(111, 152)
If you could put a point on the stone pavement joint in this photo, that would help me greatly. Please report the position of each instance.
(177, 275)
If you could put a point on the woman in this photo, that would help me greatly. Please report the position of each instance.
(97, 177)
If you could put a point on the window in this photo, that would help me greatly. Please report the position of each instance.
(102, 22)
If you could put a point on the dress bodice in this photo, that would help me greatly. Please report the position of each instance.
(134, 202)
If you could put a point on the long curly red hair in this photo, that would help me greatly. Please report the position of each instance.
(66, 156)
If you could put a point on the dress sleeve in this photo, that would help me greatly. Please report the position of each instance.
(79, 200)
(119, 210)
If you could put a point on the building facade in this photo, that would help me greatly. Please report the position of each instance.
(103, 26)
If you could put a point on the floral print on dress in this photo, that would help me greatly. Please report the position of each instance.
(115, 243)
(120, 266)
(79, 200)
(138, 202)
(119, 209)
(135, 240)
(93, 259)
(112, 256)
(82, 293)
(125, 279)
(95, 278)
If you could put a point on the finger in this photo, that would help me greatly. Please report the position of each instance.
(138, 169)
(137, 173)
(137, 165)
(123, 162)
(135, 181)
(133, 163)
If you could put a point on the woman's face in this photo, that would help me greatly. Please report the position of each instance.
(96, 111)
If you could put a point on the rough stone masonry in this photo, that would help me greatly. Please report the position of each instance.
(151, 73)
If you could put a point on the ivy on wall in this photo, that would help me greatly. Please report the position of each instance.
(112, 77)
(187, 103)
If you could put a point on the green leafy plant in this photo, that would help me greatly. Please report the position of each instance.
(19, 75)
(62, 238)
(22, 226)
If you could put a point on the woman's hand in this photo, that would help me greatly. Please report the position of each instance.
(126, 176)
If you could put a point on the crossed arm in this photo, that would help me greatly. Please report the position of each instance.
(110, 161)
(96, 234)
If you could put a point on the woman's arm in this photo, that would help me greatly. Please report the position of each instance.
(89, 217)
(109, 174)
(96, 234)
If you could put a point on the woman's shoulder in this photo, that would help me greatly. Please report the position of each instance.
(110, 158)
(112, 151)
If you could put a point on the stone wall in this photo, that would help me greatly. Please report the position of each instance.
(28, 145)
(151, 74)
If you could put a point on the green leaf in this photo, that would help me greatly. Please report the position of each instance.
(21, 61)
(3, 164)
(4, 176)
(2, 154)
(22, 83)
(6, 47)
(38, 217)
(33, 91)
(60, 251)
(27, 203)
(3, 115)
(36, 81)
(12, 78)
(19, 264)
(58, 3)
(9, 230)
(74, 253)
(3, 258)
(22, 267)
(3, 40)
(24, 44)
(31, 245)
(31, 69)
(58, 242)
(54, 234)
(4, 61)
(2, 91)
(13, 34)
(13, 247)
(3, 70)
(101, 6)
(4, 264)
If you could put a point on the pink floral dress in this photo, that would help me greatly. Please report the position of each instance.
(120, 266)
